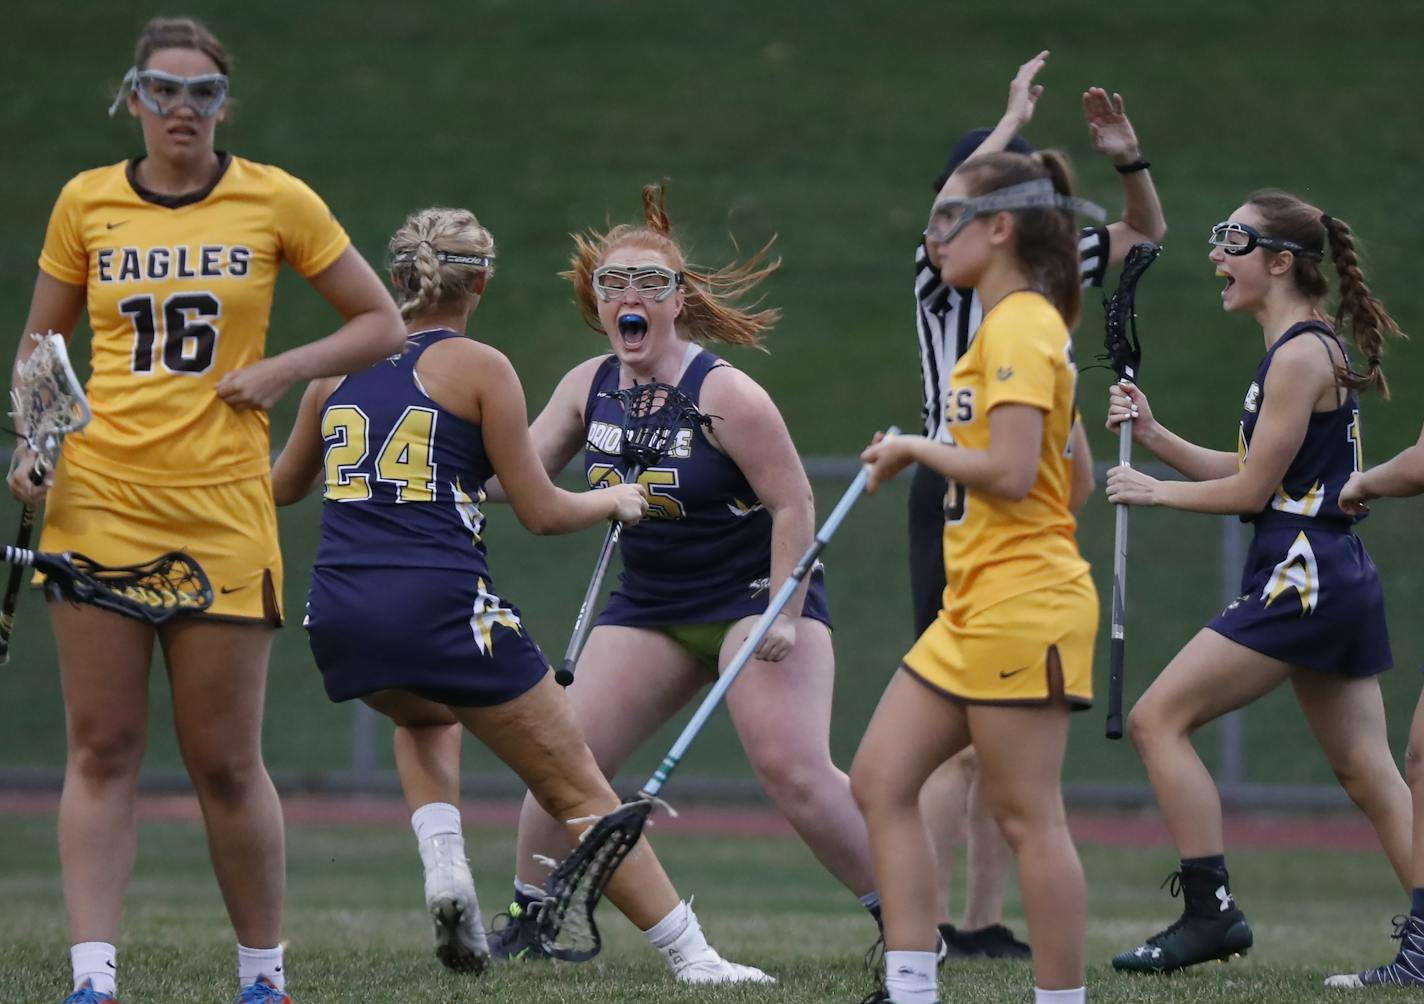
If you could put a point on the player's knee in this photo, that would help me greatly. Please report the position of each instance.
(877, 787)
(105, 750)
(789, 782)
(1142, 727)
(224, 775)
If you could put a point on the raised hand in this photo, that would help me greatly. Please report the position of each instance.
(1023, 92)
(1108, 126)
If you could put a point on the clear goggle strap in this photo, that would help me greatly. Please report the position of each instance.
(1036, 194)
(125, 86)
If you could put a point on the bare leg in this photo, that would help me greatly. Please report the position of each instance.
(629, 682)
(1210, 676)
(782, 712)
(1414, 771)
(537, 736)
(1347, 719)
(987, 861)
(913, 731)
(427, 755)
(944, 801)
(1021, 763)
(218, 673)
(104, 665)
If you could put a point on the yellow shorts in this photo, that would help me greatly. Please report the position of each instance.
(1002, 654)
(230, 529)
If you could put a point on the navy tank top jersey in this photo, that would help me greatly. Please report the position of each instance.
(1327, 457)
(1310, 595)
(401, 595)
(703, 554)
(404, 477)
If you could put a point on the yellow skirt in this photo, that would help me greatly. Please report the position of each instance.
(1028, 649)
(230, 529)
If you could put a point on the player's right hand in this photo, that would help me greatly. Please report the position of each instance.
(1023, 92)
(1354, 499)
(1126, 401)
(21, 486)
(630, 503)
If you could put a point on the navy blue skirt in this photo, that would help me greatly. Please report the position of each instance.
(1311, 597)
(440, 634)
(645, 601)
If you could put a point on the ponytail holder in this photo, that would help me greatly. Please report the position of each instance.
(1374, 362)
(1325, 220)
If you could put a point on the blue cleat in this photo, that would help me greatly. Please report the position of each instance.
(88, 995)
(264, 991)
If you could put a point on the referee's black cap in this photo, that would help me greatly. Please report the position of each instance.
(965, 146)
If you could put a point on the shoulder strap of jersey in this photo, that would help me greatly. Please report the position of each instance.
(604, 378)
(702, 364)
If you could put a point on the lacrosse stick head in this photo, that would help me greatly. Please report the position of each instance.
(152, 592)
(48, 399)
(565, 926)
(653, 414)
(1122, 349)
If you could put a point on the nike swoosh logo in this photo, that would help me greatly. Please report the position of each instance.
(1004, 674)
(111, 226)
(230, 589)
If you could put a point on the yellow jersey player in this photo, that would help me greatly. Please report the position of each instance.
(173, 255)
(1012, 650)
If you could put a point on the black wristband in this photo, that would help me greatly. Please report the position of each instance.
(1137, 165)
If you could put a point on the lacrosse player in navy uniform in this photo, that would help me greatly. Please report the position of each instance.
(730, 512)
(1311, 611)
(403, 611)
(947, 320)
(1397, 478)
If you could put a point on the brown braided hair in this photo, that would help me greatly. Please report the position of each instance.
(1370, 324)
(1046, 240)
(427, 283)
(709, 311)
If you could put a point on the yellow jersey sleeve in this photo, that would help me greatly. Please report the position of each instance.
(309, 236)
(64, 256)
(1022, 346)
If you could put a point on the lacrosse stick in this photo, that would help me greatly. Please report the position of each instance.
(48, 403)
(566, 928)
(153, 592)
(1124, 355)
(653, 414)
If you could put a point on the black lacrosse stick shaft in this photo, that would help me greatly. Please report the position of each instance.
(1124, 355)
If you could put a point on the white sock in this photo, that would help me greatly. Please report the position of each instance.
(534, 892)
(910, 977)
(434, 819)
(95, 961)
(671, 927)
(1078, 996)
(255, 962)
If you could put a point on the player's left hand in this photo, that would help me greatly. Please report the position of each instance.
(887, 457)
(259, 385)
(1127, 486)
(1354, 500)
(1108, 126)
(779, 640)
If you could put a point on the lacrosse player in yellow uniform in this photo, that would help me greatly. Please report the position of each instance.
(173, 255)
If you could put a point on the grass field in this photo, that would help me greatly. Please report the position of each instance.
(356, 930)
(822, 127)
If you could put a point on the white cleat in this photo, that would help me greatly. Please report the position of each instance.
(1345, 981)
(715, 969)
(460, 940)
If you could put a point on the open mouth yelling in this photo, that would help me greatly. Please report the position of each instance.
(632, 329)
(1230, 280)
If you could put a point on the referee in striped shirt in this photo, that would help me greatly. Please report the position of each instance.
(946, 320)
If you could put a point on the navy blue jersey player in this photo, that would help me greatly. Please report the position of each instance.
(403, 611)
(730, 513)
(1311, 611)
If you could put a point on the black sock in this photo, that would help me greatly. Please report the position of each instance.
(1216, 862)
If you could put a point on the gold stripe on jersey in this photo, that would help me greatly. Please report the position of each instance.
(179, 292)
(997, 548)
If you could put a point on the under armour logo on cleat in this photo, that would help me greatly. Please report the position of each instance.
(1149, 951)
(1224, 897)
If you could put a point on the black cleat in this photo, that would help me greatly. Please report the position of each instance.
(517, 939)
(993, 942)
(1210, 929)
(1407, 969)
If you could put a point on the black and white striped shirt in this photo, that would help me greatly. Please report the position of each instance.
(948, 318)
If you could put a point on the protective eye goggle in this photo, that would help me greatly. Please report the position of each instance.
(950, 216)
(164, 93)
(1241, 238)
(650, 282)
